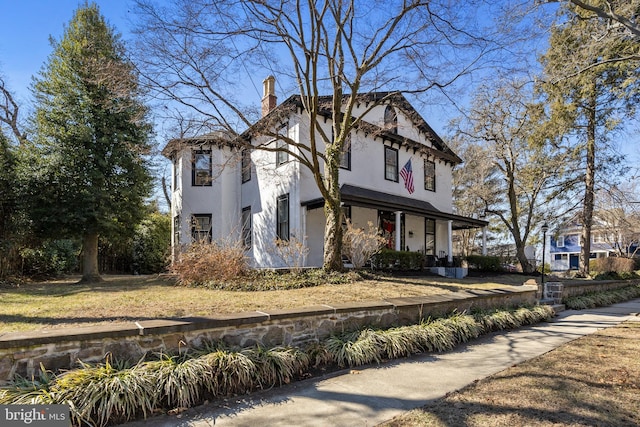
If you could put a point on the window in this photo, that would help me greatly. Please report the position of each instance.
(560, 242)
(201, 168)
(245, 165)
(282, 214)
(281, 155)
(429, 175)
(176, 230)
(390, 164)
(346, 215)
(246, 227)
(176, 175)
(429, 236)
(390, 119)
(201, 228)
(345, 156)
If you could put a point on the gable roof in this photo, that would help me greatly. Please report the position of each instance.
(396, 99)
(294, 103)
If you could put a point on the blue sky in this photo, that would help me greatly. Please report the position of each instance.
(25, 27)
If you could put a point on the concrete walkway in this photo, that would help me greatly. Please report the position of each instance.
(370, 395)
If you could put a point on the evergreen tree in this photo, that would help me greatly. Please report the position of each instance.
(592, 92)
(87, 167)
(8, 203)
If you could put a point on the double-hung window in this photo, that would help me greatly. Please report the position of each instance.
(246, 227)
(282, 156)
(201, 168)
(201, 228)
(282, 215)
(245, 165)
(429, 175)
(390, 164)
(345, 156)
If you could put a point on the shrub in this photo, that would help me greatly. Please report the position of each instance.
(52, 258)
(202, 263)
(612, 264)
(485, 263)
(359, 245)
(291, 252)
(398, 260)
(151, 248)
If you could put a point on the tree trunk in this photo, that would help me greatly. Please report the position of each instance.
(527, 267)
(90, 271)
(333, 238)
(589, 180)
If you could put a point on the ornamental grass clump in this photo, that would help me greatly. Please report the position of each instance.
(602, 298)
(277, 366)
(354, 348)
(100, 394)
(180, 380)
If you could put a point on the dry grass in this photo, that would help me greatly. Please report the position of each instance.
(33, 306)
(593, 381)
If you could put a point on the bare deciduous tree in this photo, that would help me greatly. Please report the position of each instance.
(516, 165)
(201, 55)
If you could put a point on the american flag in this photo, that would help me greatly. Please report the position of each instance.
(407, 174)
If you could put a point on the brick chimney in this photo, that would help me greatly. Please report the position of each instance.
(269, 98)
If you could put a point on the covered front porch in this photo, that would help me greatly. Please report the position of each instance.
(407, 224)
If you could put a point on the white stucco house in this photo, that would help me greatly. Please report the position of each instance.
(222, 191)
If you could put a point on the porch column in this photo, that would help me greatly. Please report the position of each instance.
(449, 241)
(398, 229)
(484, 240)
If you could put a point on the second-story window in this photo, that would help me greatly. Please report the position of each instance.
(345, 156)
(282, 156)
(560, 242)
(176, 174)
(201, 168)
(245, 165)
(390, 164)
(429, 175)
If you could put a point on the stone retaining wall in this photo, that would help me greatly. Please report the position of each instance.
(24, 353)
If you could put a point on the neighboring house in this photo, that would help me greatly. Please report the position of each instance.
(565, 245)
(221, 191)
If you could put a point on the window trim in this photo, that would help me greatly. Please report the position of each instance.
(194, 230)
(426, 233)
(393, 150)
(194, 170)
(428, 178)
(245, 165)
(247, 232)
(282, 157)
(346, 154)
(560, 242)
(279, 234)
(391, 119)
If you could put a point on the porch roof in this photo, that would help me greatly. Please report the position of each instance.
(358, 196)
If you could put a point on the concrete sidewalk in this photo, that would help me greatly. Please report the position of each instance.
(370, 395)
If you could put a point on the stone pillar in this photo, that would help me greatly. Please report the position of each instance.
(553, 291)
